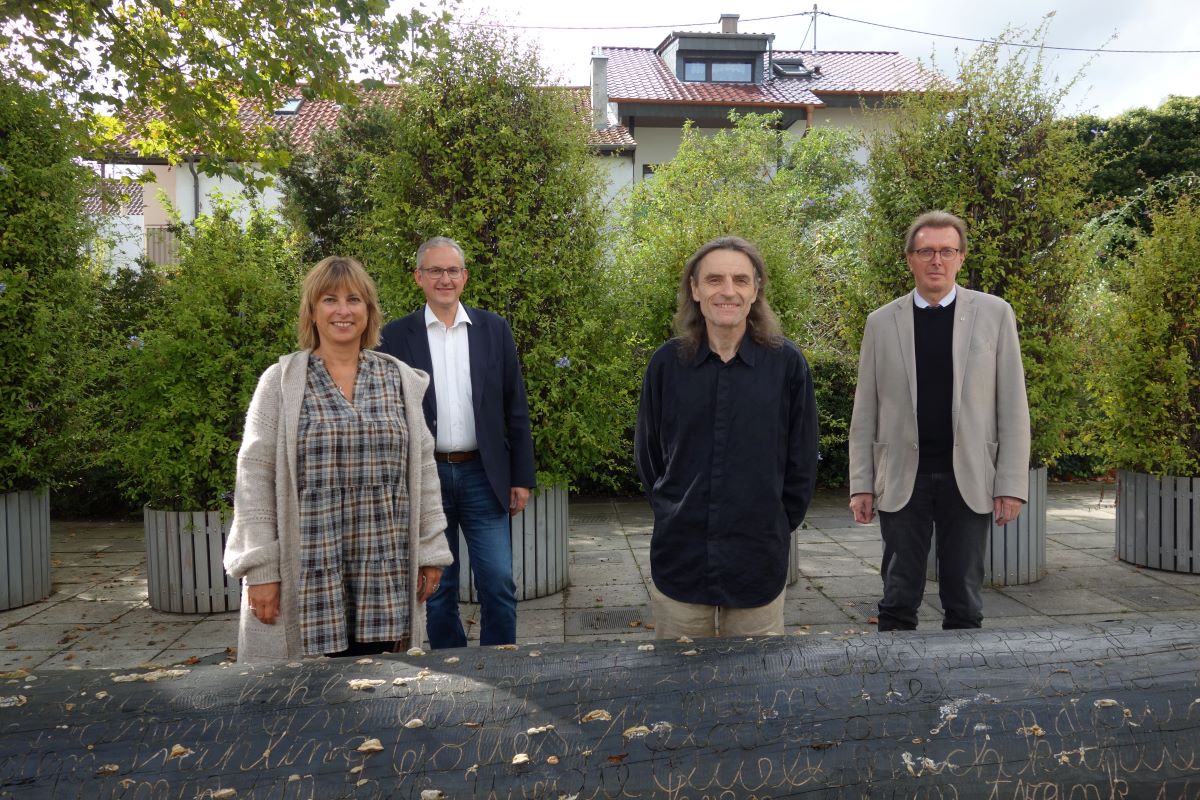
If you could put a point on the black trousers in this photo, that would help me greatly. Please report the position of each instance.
(962, 536)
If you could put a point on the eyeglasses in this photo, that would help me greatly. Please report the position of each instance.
(453, 273)
(926, 253)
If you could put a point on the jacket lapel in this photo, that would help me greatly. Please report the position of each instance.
(418, 344)
(964, 326)
(905, 336)
(477, 345)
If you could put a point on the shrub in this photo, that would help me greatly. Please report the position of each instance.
(44, 305)
(223, 315)
(484, 153)
(992, 151)
(794, 198)
(1149, 383)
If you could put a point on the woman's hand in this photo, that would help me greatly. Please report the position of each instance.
(264, 601)
(428, 582)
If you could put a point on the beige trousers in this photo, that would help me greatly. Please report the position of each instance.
(673, 618)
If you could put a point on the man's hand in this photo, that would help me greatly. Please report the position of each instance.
(1006, 509)
(428, 581)
(517, 498)
(862, 505)
(264, 601)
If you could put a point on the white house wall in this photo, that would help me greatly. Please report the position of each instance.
(617, 170)
(123, 240)
(178, 184)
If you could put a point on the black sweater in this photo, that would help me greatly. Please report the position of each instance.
(933, 330)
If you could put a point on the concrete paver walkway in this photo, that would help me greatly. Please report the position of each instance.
(98, 615)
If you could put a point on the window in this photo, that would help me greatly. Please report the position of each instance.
(289, 107)
(732, 72)
(719, 71)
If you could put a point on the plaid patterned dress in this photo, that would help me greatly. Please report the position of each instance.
(354, 509)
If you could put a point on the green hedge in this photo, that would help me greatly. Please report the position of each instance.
(992, 150)
(44, 301)
(1149, 382)
(223, 315)
(484, 153)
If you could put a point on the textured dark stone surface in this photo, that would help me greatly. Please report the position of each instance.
(1078, 712)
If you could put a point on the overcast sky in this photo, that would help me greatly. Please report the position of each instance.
(1113, 82)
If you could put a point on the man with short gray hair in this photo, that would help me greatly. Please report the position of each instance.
(477, 411)
(940, 432)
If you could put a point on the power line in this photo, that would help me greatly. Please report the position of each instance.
(682, 25)
(1009, 44)
(673, 26)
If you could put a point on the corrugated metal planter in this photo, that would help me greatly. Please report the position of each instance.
(539, 538)
(1158, 521)
(183, 561)
(1016, 552)
(24, 548)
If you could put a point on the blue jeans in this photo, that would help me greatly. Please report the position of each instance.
(470, 503)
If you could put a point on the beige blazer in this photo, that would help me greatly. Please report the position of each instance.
(990, 412)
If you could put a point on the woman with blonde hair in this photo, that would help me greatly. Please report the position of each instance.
(338, 533)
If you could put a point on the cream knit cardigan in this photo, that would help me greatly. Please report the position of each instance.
(264, 542)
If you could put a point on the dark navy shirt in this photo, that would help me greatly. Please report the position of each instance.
(727, 453)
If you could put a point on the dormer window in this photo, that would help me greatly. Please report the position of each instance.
(714, 71)
(289, 107)
(792, 68)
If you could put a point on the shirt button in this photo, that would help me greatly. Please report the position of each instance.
(914, 445)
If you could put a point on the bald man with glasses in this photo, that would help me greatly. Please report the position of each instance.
(477, 410)
(940, 433)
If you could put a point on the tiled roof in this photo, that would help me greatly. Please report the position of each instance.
(610, 138)
(115, 200)
(315, 116)
(638, 74)
(862, 72)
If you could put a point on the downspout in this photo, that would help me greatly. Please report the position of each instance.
(191, 162)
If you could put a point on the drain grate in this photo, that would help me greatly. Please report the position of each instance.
(607, 620)
(598, 558)
(594, 519)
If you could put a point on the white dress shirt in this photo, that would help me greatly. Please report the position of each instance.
(920, 301)
(451, 355)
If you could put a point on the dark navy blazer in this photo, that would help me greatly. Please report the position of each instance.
(497, 393)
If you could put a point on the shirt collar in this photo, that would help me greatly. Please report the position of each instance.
(460, 316)
(921, 302)
(746, 350)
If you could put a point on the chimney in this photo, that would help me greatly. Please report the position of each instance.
(599, 90)
(729, 23)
